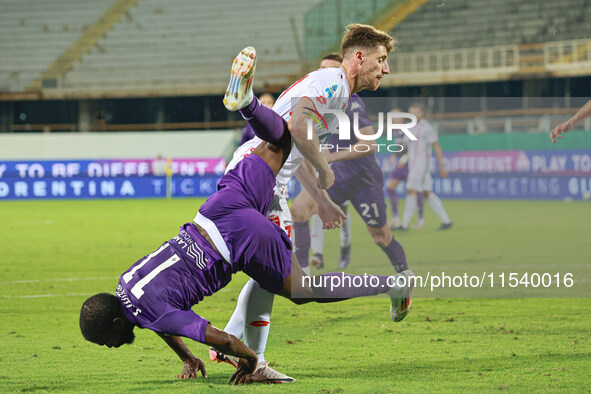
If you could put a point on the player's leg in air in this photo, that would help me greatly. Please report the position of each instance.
(250, 320)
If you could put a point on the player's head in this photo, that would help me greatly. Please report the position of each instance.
(417, 109)
(267, 100)
(365, 51)
(102, 321)
(332, 60)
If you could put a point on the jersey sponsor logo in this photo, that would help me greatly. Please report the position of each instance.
(332, 90)
(190, 247)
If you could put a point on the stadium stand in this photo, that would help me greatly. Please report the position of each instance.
(181, 43)
(33, 33)
(489, 23)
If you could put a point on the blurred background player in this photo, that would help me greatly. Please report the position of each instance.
(358, 178)
(419, 168)
(400, 173)
(581, 114)
(268, 101)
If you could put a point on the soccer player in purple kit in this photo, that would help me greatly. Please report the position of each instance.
(267, 100)
(230, 233)
(358, 178)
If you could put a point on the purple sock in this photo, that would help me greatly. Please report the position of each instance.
(393, 201)
(266, 123)
(395, 253)
(302, 242)
(420, 203)
(338, 286)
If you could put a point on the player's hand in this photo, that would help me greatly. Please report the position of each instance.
(331, 214)
(246, 367)
(560, 129)
(190, 369)
(443, 173)
(325, 179)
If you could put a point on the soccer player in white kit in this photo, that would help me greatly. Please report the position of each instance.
(365, 51)
(419, 168)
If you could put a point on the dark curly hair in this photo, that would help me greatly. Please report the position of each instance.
(97, 315)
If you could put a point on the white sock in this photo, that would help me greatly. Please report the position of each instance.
(235, 325)
(345, 232)
(307, 270)
(253, 310)
(437, 206)
(259, 304)
(316, 235)
(409, 209)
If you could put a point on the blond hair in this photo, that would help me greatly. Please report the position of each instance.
(365, 36)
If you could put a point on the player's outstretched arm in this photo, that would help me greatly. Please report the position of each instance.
(581, 114)
(192, 365)
(310, 147)
(229, 344)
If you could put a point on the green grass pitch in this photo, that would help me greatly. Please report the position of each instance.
(56, 253)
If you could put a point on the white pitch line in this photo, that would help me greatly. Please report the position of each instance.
(18, 282)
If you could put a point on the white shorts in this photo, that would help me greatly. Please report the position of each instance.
(419, 179)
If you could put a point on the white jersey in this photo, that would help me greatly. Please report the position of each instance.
(419, 151)
(328, 88)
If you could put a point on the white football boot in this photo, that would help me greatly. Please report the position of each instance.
(265, 374)
(401, 297)
(239, 92)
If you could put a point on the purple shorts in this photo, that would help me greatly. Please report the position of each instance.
(366, 196)
(400, 173)
(241, 231)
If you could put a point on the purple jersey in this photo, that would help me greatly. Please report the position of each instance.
(157, 292)
(347, 169)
